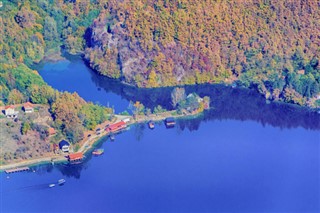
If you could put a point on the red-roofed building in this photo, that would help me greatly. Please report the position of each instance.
(116, 126)
(75, 157)
(10, 112)
(28, 107)
(9, 107)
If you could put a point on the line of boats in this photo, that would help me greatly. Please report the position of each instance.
(169, 122)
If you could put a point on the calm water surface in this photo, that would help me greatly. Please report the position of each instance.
(239, 157)
(75, 76)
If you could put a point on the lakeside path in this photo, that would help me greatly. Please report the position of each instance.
(88, 142)
(30, 162)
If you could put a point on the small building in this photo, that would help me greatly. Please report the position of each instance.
(75, 157)
(10, 112)
(28, 107)
(64, 145)
(116, 126)
(51, 131)
(169, 122)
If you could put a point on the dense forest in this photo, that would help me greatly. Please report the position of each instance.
(30, 30)
(269, 45)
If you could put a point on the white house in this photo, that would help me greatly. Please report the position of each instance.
(10, 112)
(64, 146)
(28, 107)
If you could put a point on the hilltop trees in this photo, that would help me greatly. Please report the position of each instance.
(15, 97)
(269, 45)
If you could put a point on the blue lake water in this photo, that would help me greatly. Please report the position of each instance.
(75, 76)
(239, 157)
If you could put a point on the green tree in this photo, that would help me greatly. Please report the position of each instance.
(178, 94)
(50, 29)
(152, 80)
(15, 97)
(25, 127)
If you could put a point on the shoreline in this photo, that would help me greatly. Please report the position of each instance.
(62, 54)
(88, 144)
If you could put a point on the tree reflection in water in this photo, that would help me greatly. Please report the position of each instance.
(226, 103)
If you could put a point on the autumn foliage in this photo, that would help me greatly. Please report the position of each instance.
(264, 44)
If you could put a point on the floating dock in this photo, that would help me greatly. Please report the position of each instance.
(21, 169)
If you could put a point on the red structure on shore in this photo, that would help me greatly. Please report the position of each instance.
(75, 157)
(116, 126)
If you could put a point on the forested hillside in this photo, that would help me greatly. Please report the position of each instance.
(32, 29)
(267, 44)
(270, 45)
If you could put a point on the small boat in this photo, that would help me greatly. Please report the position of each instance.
(52, 185)
(112, 137)
(61, 181)
(98, 152)
(151, 124)
(169, 122)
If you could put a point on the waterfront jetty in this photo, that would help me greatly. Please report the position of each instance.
(20, 169)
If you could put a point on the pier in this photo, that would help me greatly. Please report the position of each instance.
(21, 169)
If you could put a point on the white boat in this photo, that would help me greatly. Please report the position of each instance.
(52, 185)
(61, 181)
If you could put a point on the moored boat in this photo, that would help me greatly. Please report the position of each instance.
(52, 185)
(169, 122)
(98, 152)
(151, 124)
(61, 181)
